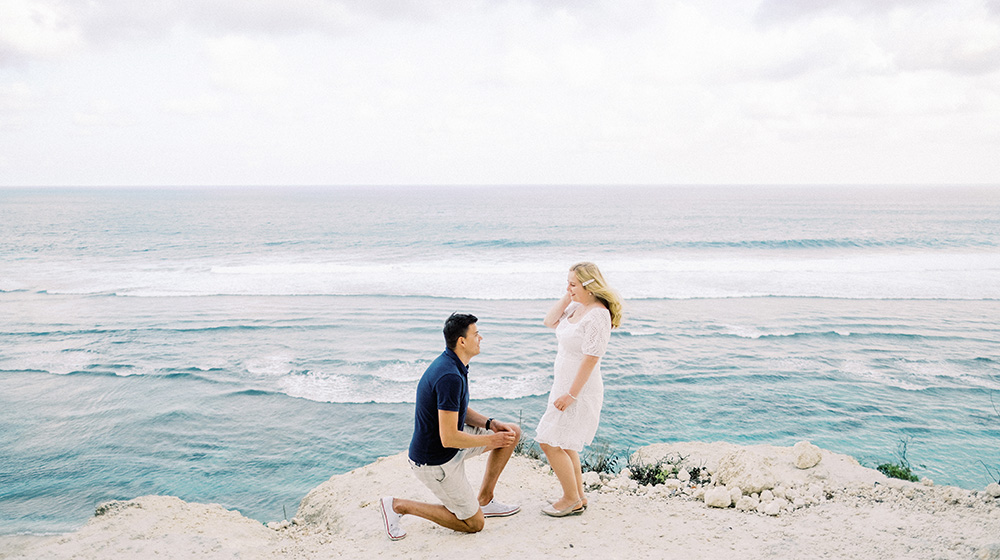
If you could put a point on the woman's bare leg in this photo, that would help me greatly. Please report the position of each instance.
(578, 472)
(565, 470)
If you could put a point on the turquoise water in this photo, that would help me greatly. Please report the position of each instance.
(242, 346)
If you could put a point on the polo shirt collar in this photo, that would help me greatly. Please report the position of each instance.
(461, 367)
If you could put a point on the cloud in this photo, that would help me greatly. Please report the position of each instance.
(204, 104)
(14, 97)
(32, 29)
(116, 19)
(891, 36)
(778, 11)
(45, 28)
(322, 91)
(962, 47)
(246, 65)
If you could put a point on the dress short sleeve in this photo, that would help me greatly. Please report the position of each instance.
(596, 327)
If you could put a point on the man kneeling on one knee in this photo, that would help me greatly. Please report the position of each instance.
(446, 433)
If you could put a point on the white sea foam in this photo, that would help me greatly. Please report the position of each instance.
(746, 331)
(641, 332)
(918, 275)
(336, 388)
(269, 365)
(397, 382)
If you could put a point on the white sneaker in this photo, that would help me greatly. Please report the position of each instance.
(497, 509)
(392, 526)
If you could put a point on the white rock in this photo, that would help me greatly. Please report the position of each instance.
(672, 484)
(766, 496)
(625, 473)
(747, 503)
(735, 493)
(926, 481)
(662, 490)
(773, 507)
(779, 492)
(799, 502)
(718, 497)
(807, 455)
(993, 490)
(623, 484)
(747, 469)
(591, 479)
(683, 475)
(699, 493)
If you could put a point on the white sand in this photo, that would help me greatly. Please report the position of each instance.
(861, 515)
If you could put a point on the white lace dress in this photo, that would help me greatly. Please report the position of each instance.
(575, 427)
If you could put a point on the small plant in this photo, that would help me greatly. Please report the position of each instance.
(651, 474)
(897, 470)
(900, 469)
(527, 447)
(699, 475)
(599, 459)
(989, 471)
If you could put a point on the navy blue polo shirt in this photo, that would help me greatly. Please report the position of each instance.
(444, 386)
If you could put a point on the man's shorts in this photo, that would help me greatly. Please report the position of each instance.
(448, 481)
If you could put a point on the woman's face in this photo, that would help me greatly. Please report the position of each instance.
(576, 291)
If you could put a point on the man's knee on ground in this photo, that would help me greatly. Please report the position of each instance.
(475, 523)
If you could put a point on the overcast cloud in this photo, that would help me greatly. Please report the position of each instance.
(291, 92)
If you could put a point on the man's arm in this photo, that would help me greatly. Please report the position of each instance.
(473, 418)
(452, 437)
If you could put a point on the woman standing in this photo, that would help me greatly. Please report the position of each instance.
(583, 320)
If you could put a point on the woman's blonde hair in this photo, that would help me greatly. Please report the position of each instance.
(587, 271)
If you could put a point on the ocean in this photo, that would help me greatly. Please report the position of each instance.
(240, 346)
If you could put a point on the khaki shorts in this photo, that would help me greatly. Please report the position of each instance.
(448, 481)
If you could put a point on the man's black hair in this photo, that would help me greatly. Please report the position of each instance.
(456, 326)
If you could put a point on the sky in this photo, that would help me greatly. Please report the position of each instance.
(397, 92)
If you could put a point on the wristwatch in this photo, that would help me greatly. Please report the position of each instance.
(488, 422)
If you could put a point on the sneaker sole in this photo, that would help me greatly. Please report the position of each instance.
(502, 514)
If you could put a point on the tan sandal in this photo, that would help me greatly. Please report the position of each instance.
(575, 509)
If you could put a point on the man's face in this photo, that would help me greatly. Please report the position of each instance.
(471, 340)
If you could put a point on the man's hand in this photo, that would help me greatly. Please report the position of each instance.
(498, 426)
(504, 437)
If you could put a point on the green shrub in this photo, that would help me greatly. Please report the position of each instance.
(600, 459)
(897, 470)
(900, 469)
(651, 474)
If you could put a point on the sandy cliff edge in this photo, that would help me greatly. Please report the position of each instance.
(845, 511)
